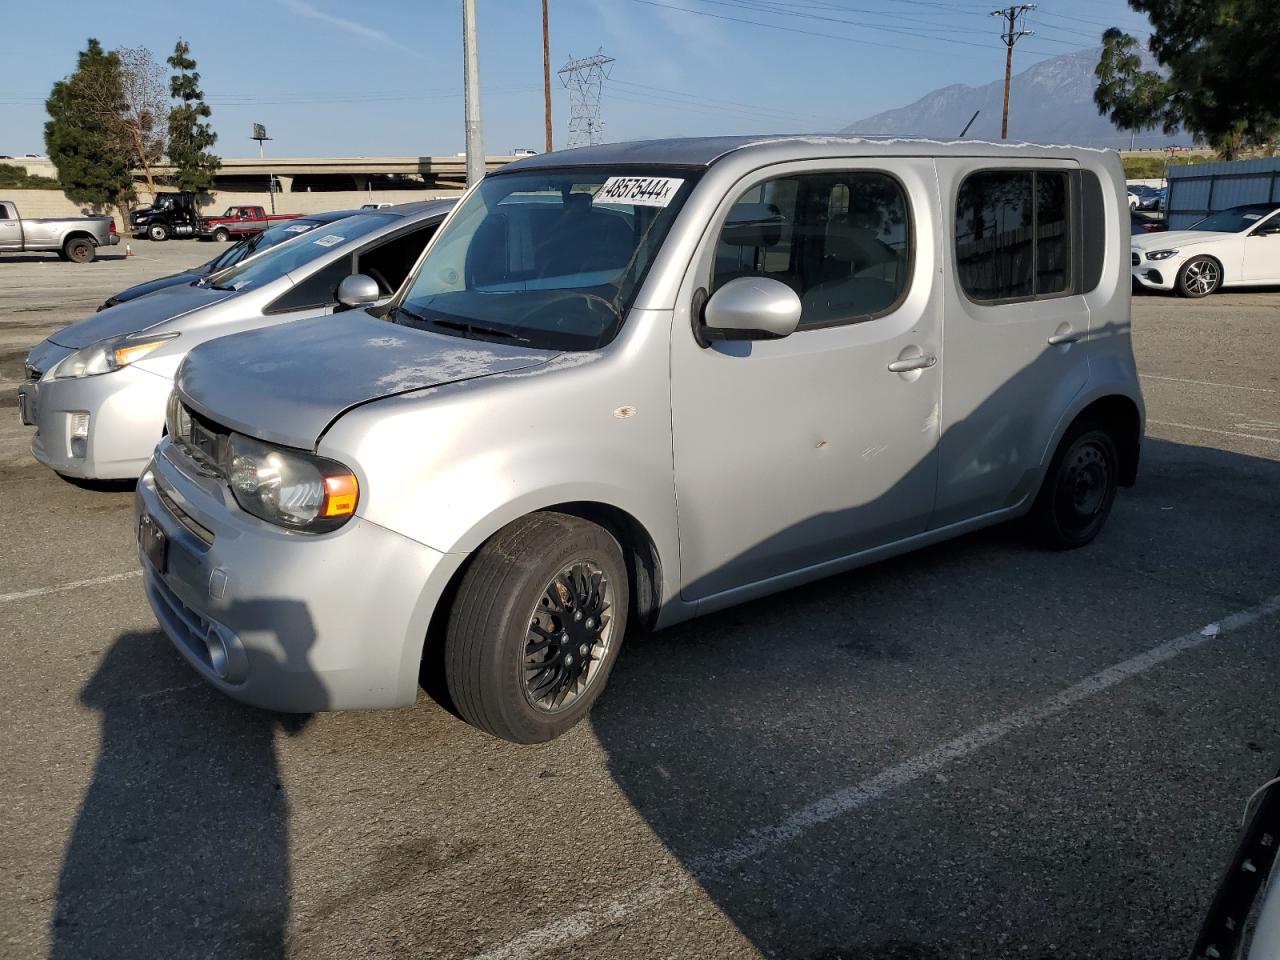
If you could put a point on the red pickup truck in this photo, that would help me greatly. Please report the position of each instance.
(239, 222)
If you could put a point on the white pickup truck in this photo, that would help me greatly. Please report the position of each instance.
(72, 238)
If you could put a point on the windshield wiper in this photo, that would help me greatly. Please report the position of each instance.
(470, 327)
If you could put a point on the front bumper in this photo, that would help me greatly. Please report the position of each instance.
(126, 419)
(284, 620)
(1156, 274)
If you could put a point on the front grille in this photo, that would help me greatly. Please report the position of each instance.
(200, 438)
(1137, 258)
(184, 624)
(184, 518)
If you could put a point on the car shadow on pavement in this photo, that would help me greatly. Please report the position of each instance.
(181, 844)
(726, 734)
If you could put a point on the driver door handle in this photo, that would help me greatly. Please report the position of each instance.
(913, 363)
(1059, 338)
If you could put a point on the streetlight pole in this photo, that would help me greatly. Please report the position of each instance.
(546, 72)
(471, 93)
(1010, 37)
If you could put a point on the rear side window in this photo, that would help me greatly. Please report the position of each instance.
(1093, 225)
(391, 262)
(1014, 235)
(842, 241)
(4, 212)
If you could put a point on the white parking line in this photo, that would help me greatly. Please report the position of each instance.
(752, 846)
(63, 588)
(1205, 383)
(1225, 433)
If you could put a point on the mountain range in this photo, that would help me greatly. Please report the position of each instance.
(1050, 102)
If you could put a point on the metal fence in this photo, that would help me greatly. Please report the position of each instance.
(1203, 188)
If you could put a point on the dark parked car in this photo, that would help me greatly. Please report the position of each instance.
(232, 255)
(1145, 223)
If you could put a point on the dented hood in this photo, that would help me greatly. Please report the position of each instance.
(286, 384)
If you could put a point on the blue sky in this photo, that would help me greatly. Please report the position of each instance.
(385, 76)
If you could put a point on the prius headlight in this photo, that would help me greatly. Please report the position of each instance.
(1161, 254)
(290, 487)
(106, 356)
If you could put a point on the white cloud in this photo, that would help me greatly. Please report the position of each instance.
(305, 9)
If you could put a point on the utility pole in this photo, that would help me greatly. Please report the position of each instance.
(546, 71)
(471, 93)
(1015, 29)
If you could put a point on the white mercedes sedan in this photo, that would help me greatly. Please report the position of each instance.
(1239, 247)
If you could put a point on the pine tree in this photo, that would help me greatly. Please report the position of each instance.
(190, 136)
(83, 135)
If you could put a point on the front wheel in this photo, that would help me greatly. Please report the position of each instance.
(221, 235)
(1078, 490)
(80, 250)
(536, 626)
(1199, 277)
(158, 232)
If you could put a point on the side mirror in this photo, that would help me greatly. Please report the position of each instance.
(748, 308)
(358, 290)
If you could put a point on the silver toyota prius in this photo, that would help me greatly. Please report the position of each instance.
(636, 383)
(96, 390)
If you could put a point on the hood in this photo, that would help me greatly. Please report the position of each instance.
(1176, 239)
(135, 315)
(151, 286)
(287, 383)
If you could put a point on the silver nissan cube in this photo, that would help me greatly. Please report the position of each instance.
(631, 384)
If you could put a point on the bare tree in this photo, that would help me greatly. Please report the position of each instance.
(144, 107)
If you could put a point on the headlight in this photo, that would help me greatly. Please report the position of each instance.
(105, 356)
(289, 487)
(1161, 254)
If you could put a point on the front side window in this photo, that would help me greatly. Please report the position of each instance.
(841, 241)
(1013, 234)
(551, 259)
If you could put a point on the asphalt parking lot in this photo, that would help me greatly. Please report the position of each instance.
(979, 750)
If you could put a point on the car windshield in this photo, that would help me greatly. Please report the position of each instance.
(551, 259)
(1236, 219)
(259, 243)
(297, 252)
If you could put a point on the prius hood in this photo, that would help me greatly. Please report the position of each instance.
(134, 316)
(287, 383)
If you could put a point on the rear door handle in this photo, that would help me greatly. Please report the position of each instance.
(1060, 338)
(913, 363)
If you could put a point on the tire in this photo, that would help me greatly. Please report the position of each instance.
(1079, 488)
(158, 232)
(521, 601)
(1199, 277)
(79, 250)
(221, 235)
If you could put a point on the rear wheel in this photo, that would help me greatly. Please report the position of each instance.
(221, 235)
(1199, 277)
(79, 250)
(1077, 493)
(536, 626)
(158, 232)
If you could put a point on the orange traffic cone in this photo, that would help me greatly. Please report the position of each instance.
(128, 250)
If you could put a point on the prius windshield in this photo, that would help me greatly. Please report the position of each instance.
(259, 243)
(552, 259)
(298, 252)
(1236, 219)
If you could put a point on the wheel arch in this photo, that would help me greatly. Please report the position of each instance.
(1120, 417)
(78, 235)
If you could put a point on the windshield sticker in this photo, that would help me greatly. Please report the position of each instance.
(298, 228)
(639, 191)
(328, 240)
(1253, 216)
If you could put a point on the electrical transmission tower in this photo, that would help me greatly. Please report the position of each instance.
(1015, 29)
(585, 80)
